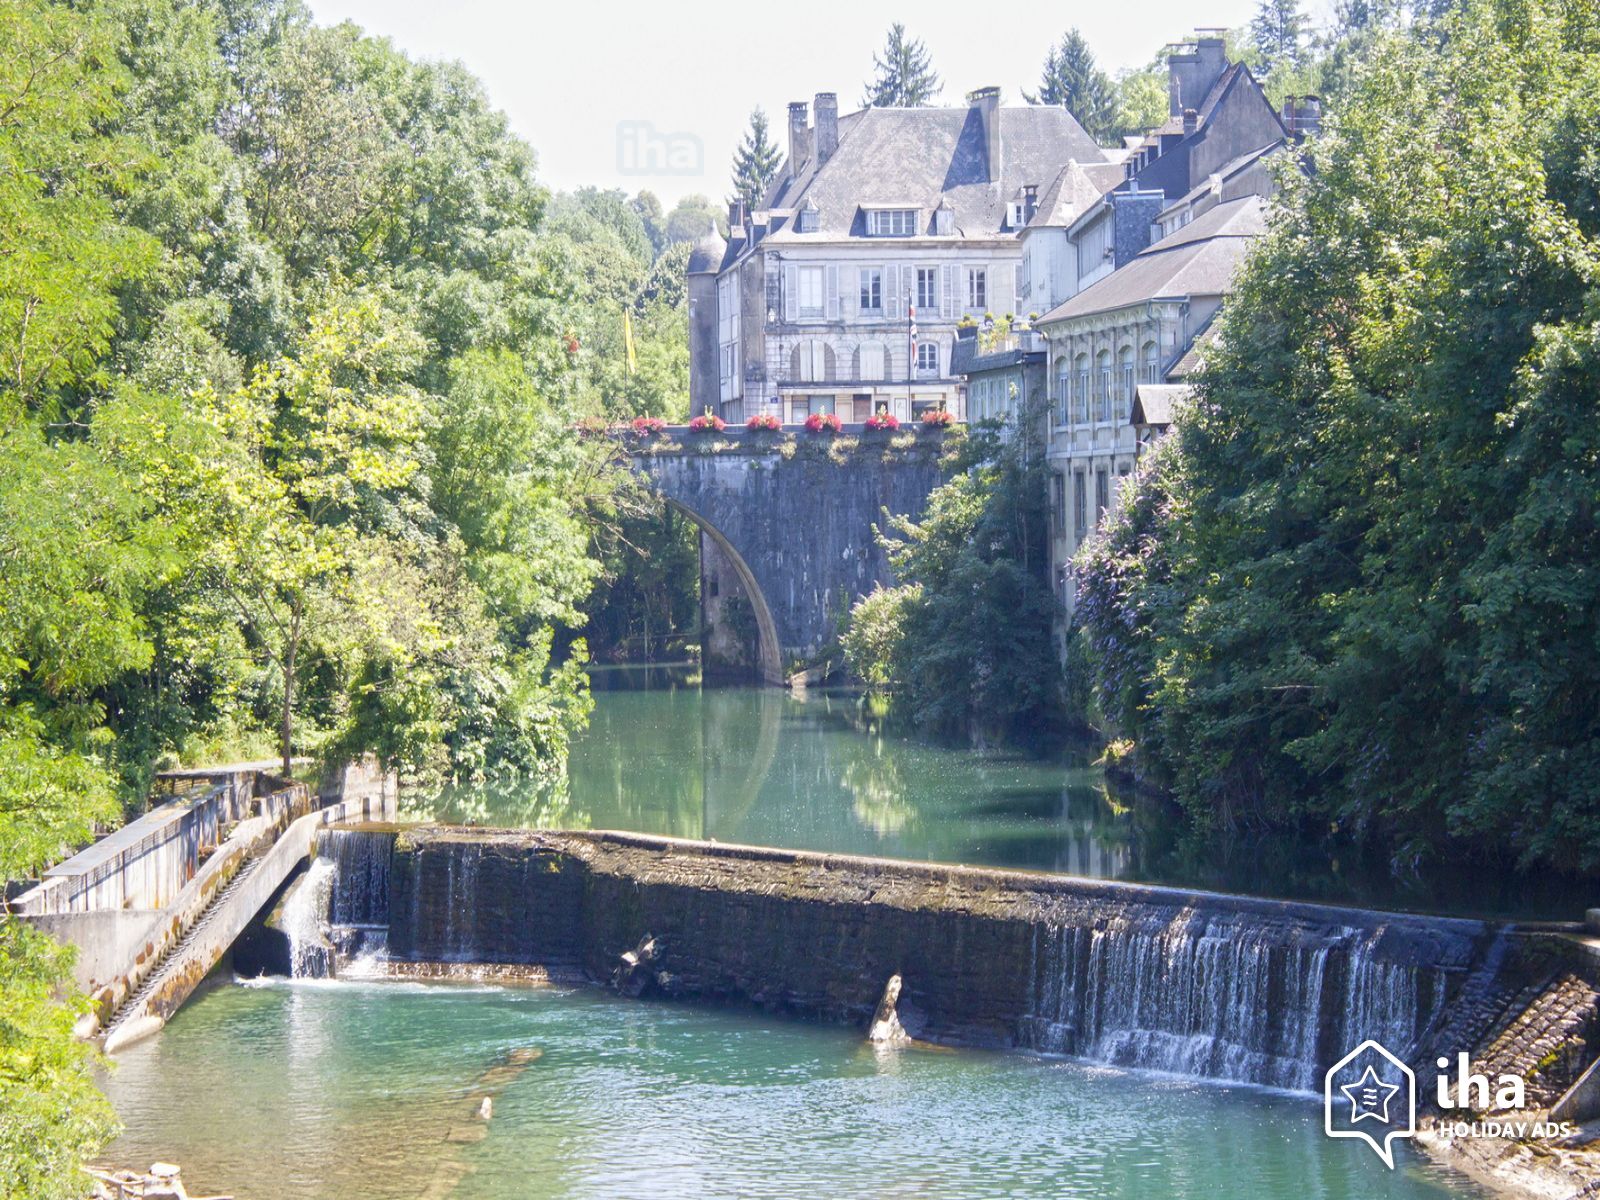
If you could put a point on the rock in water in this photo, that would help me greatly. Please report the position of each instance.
(633, 973)
(886, 1029)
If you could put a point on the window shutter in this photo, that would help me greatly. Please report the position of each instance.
(950, 300)
(833, 293)
(893, 300)
(791, 293)
(1001, 298)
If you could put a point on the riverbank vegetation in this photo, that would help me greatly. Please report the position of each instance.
(1356, 588)
(292, 346)
(964, 638)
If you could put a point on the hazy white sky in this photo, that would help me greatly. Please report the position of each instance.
(577, 79)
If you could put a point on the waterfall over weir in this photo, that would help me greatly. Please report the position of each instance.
(1216, 997)
(1207, 986)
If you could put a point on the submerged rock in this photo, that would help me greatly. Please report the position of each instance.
(634, 971)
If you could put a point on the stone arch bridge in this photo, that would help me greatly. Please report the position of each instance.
(786, 528)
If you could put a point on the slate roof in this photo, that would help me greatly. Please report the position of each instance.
(1224, 173)
(1198, 260)
(1153, 402)
(1074, 189)
(1174, 124)
(916, 157)
(708, 253)
(1189, 361)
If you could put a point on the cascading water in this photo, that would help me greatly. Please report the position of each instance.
(1220, 998)
(304, 922)
(358, 902)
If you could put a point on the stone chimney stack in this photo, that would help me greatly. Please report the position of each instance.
(827, 131)
(799, 137)
(987, 101)
(735, 216)
(1193, 69)
(1191, 121)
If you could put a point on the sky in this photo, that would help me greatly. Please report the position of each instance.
(656, 95)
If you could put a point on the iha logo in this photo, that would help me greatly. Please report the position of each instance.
(1372, 1095)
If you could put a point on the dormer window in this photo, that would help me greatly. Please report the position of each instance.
(807, 222)
(891, 222)
(944, 220)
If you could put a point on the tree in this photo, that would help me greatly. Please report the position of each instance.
(1358, 592)
(755, 163)
(905, 74)
(966, 638)
(1071, 78)
(692, 217)
(1277, 35)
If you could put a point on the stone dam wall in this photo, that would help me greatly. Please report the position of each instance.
(1211, 986)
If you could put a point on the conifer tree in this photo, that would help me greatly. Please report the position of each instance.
(1278, 33)
(755, 162)
(1071, 78)
(905, 74)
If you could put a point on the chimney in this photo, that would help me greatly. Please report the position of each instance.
(1191, 121)
(1310, 114)
(735, 216)
(987, 101)
(827, 109)
(1192, 70)
(1030, 201)
(799, 137)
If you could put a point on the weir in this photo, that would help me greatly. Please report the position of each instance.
(1206, 985)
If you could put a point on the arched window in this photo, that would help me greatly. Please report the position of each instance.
(928, 358)
(1152, 363)
(1080, 389)
(1063, 390)
(1102, 386)
(1124, 406)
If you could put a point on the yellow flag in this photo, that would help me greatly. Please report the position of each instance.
(627, 337)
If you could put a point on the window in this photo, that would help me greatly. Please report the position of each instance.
(871, 289)
(1152, 363)
(1125, 391)
(808, 219)
(1102, 395)
(1020, 282)
(1102, 493)
(1080, 393)
(730, 359)
(811, 360)
(977, 289)
(821, 404)
(1080, 505)
(811, 303)
(1058, 503)
(928, 357)
(892, 222)
(1063, 391)
(872, 360)
(927, 288)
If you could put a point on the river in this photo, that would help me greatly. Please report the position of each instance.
(293, 1090)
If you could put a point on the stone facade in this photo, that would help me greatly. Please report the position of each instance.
(885, 230)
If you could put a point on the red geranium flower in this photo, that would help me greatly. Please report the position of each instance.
(818, 422)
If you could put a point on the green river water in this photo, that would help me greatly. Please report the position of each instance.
(294, 1090)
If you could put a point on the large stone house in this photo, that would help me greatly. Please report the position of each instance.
(885, 229)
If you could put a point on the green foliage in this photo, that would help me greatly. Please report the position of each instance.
(52, 1119)
(1070, 77)
(905, 77)
(1358, 591)
(966, 640)
(1278, 36)
(755, 162)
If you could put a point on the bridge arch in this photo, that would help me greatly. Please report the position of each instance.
(790, 517)
(769, 653)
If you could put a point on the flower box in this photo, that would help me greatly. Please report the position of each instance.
(883, 421)
(823, 423)
(938, 418)
(648, 426)
(707, 423)
(763, 423)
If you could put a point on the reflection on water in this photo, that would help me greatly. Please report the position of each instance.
(308, 1091)
(760, 766)
(831, 772)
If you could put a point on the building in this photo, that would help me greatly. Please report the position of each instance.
(885, 230)
(1134, 277)
(1004, 373)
